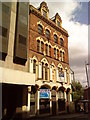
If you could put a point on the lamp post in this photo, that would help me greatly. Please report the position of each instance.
(86, 65)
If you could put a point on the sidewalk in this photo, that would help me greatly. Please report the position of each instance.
(76, 116)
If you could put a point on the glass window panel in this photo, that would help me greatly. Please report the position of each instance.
(5, 8)
(3, 31)
(54, 52)
(41, 47)
(22, 39)
(44, 13)
(46, 48)
(38, 42)
(55, 38)
(40, 30)
(34, 66)
(57, 54)
(23, 19)
(49, 50)
(58, 23)
(47, 34)
(61, 41)
(63, 57)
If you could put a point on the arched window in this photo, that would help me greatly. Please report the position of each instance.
(61, 42)
(34, 66)
(40, 29)
(54, 52)
(44, 13)
(63, 56)
(41, 47)
(58, 23)
(46, 72)
(47, 34)
(49, 50)
(42, 70)
(57, 54)
(56, 38)
(38, 43)
(46, 49)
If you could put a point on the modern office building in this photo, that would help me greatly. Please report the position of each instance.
(15, 77)
(49, 60)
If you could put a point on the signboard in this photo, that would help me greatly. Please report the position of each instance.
(61, 74)
(44, 93)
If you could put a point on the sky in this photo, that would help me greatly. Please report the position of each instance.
(74, 17)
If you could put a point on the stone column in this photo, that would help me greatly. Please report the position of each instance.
(37, 101)
(70, 97)
(65, 76)
(9, 57)
(31, 65)
(50, 103)
(56, 102)
(57, 74)
(29, 90)
(40, 70)
(65, 95)
(44, 72)
(37, 72)
(50, 72)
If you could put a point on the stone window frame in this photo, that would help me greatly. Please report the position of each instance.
(42, 47)
(44, 61)
(47, 35)
(40, 29)
(38, 45)
(55, 39)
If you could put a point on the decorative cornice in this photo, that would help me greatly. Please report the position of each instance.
(36, 12)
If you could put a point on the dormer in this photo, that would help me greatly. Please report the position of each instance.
(44, 9)
(58, 20)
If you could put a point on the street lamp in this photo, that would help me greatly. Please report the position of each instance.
(86, 64)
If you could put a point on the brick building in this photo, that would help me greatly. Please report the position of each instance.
(49, 60)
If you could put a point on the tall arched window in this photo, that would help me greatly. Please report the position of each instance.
(34, 66)
(46, 71)
(56, 38)
(63, 56)
(49, 50)
(54, 52)
(57, 54)
(61, 42)
(47, 34)
(40, 29)
(41, 47)
(38, 43)
(46, 49)
(42, 70)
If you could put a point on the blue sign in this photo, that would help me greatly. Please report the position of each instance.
(44, 93)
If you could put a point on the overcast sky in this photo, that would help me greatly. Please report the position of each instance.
(74, 17)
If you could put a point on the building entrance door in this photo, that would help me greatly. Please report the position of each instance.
(32, 100)
(53, 102)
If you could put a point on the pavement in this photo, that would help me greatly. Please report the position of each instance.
(75, 116)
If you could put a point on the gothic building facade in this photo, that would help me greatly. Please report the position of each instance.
(49, 61)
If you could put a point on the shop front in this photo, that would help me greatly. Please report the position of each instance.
(44, 100)
(54, 101)
(61, 99)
